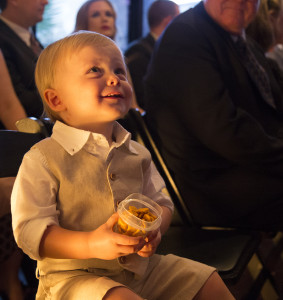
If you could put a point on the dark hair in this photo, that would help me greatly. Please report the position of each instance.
(3, 4)
(159, 10)
(82, 20)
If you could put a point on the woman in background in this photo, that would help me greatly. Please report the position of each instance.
(267, 29)
(100, 16)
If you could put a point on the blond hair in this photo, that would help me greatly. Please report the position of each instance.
(52, 57)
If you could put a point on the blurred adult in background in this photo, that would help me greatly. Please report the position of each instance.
(11, 109)
(219, 128)
(21, 49)
(267, 29)
(138, 54)
(100, 16)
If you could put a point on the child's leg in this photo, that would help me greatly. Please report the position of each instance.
(214, 289)
(121, 293)
(74, 285)
(173, 278)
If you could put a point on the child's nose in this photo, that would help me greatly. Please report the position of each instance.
(113, 80)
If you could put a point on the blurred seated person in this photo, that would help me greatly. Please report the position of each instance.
(11, 109)
(138, 54)
(219, 129)
(20, 50)
(267, 29)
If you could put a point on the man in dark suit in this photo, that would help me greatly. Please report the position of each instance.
(20, 50)
(219, 131)
(138, 54)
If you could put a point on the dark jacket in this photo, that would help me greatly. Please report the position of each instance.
(137, 58)
(21, 62)
(221, 140)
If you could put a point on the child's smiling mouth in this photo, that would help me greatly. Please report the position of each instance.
(113, 95)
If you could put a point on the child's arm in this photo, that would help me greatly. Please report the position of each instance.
(101, 243)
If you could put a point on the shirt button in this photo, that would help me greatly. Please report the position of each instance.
(112, 176)
(122, 259)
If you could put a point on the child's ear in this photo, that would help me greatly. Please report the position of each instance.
(53, 101)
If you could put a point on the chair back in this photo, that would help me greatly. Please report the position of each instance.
(14, 145)
(144, 136)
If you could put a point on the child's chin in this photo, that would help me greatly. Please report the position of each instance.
(123, 109)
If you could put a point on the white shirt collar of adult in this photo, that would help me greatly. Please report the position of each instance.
(235, 37)
(23, 33)
(73, 139)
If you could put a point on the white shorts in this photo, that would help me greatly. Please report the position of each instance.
(167, 278)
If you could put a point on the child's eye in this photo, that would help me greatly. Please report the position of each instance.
(94, 70)
(120, 71)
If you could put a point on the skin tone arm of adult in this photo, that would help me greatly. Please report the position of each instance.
(11, 109)
(102, 243)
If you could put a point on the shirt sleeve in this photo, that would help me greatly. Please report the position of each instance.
(33, 202)
(154, 187)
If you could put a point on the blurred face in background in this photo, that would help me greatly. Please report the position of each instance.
(276, 19)
(28, 12)
(232, 15)
(101, 19)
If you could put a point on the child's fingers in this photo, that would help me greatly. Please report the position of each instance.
(152, 235)
(122, 239)
(112, 220)
(126, 250)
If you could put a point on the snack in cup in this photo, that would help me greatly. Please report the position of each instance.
(138, 215)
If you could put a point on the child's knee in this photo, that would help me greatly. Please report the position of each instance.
(214, 289)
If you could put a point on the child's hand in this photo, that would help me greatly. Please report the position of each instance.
(152, 242)
(104, 243)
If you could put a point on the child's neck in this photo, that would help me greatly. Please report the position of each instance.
(106, 130)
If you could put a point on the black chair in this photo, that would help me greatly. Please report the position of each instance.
(229, 250)
(14, 145)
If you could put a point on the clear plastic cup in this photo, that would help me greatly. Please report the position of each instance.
(131, 225)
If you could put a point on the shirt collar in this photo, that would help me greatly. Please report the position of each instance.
(73, 139)
(235, 37)
(23, 33)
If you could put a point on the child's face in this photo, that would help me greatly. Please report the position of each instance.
(91, 88)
